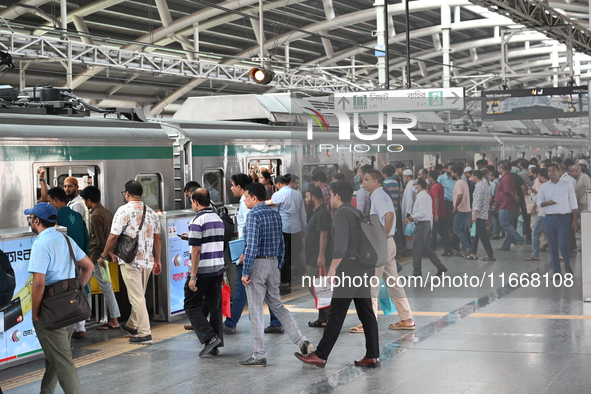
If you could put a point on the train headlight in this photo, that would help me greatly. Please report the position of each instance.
(262, 75)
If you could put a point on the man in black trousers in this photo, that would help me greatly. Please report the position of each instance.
(347, 235)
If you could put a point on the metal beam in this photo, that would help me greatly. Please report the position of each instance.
(536, 14)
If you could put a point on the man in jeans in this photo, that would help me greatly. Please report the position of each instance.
(506, 199)
(462, 209)
(264, 250)
(100, 225)
(239, 182)
(51, 262)
(136, 273)
(347, 233)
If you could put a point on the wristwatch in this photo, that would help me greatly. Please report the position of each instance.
(41, 179)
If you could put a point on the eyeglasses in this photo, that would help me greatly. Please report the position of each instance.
(123, 193)
(29, 218)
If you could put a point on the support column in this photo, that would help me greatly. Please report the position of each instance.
(446, 47)
(555, 64)
(381, 42)
(64, 19)
(286, 49)
(196, 40)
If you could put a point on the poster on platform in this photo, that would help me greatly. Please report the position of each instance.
(179, 259)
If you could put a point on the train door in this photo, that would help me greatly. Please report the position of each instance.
(86, 174)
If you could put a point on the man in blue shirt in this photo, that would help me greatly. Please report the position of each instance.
(263, 258)
(77, 230)
(51, 262)
(239, 182)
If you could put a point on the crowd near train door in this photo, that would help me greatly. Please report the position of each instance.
(85, 174)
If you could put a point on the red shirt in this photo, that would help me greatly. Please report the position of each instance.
(502, 199)
(437, 191)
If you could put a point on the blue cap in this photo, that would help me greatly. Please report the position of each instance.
(43, 210)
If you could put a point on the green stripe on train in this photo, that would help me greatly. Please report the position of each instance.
(71, 153)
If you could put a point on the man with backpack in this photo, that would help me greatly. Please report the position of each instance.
(347, 236)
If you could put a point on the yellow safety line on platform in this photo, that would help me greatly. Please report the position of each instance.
(106, 349)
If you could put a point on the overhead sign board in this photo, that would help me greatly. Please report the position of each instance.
(535, 103)
(417, 100)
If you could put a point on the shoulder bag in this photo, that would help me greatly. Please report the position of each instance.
(64, 302)
(126, 247)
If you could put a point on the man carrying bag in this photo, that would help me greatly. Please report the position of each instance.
(51, 263)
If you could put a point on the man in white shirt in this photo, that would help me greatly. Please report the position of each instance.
(538, 225)
(422, 216)
(293, 222)
(381, 205)
(76, 202)
(564, 175)
(408, 199)
(560, 203)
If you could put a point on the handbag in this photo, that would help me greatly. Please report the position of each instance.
(126, 247)
(64, 302)
(226, 307)
(409, 229)
(386, 302)
(322, 293)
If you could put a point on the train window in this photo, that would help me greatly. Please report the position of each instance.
(152, 185)
(430, 159)
(539, 157)
(571, 154)
(86, 175)
(461, 161)
(309, 170)
(408, 164)
(548, 154)
(521, 155)
(255, 166)
(479, 156)
(213, 181)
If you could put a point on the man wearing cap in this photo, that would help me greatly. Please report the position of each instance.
(75, 201)
(51, 262)
(583, 183)
(584, 166)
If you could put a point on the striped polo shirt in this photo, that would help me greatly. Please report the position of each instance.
(207, 230)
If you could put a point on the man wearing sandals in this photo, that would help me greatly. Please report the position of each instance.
(319, 242)
(381, 205)
(480, 216)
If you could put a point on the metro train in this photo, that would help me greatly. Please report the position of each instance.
(164, 154)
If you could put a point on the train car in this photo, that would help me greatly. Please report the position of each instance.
(102, 152)
(164, 154)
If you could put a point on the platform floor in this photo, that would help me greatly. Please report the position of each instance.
(488, 339)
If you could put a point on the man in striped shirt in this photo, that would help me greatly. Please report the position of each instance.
(204, 285)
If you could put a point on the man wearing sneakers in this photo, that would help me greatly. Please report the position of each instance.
(264, 250)
(127, 220)
(204, 285)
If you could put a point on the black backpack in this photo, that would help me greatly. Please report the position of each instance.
(229, 227)
(373, 248)
(7, 280)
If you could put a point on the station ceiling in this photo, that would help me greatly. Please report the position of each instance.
(324, 39)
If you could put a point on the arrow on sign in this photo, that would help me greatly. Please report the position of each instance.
(343, 100)
(456, 98)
